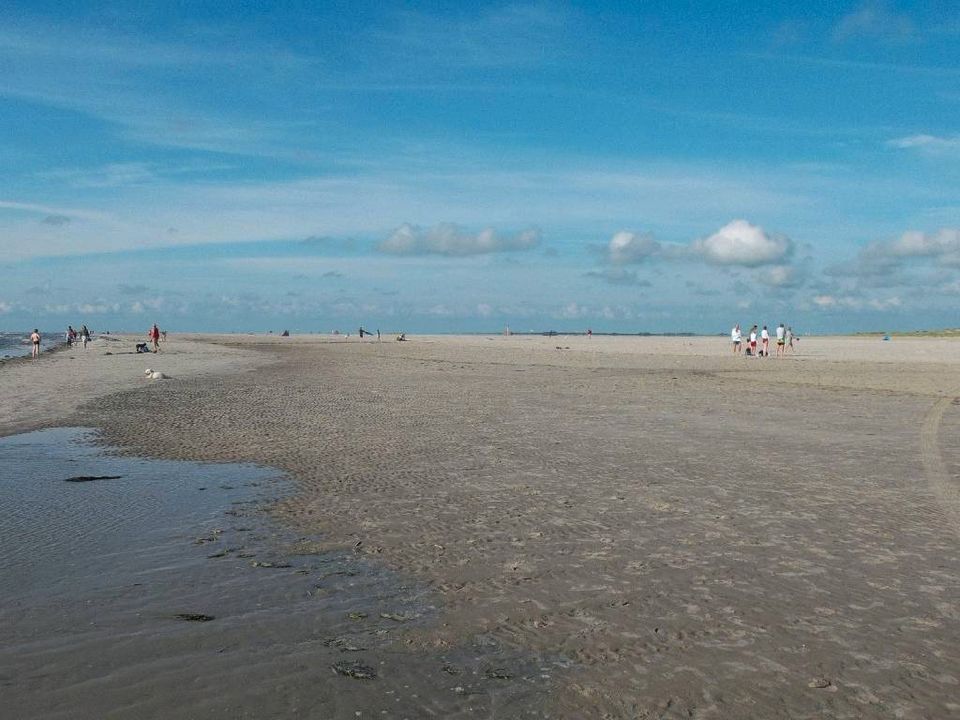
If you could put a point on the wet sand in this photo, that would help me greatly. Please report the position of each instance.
(620, 527)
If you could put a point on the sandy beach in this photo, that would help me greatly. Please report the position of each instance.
(607, 527)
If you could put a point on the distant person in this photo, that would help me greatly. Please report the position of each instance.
(154, 336)
(363, 332)
(35, 341)
(736, 337)
(163, 335)
(790, 338)
(71, 335)
(765, 342)
(589, 332)
(753, 341)
(84, 336)
(781, 340)
(378, 334)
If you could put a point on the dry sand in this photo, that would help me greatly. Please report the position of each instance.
(685, 533)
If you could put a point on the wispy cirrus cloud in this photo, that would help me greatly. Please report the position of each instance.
(877, 19)
(55, 212)
(512, 35)
(933, 145)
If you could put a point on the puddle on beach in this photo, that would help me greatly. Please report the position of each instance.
(161, 589)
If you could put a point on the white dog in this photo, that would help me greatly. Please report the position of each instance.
(155, 375)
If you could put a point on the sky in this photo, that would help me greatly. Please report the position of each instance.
(440, 167)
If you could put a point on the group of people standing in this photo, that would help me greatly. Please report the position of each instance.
(758, 344)
(82, 336)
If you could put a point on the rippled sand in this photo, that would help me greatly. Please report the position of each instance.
(667, 530)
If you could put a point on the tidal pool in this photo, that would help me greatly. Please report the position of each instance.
(161, 589)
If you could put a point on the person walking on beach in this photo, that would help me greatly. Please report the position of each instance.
(789, 339)
(736, 336)
(154, 336)
(84, 336)
(781, 340)
(753, 341)
(765, 341)
(35, 340)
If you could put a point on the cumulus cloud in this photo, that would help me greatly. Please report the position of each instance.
(883, 259)
(945, 242)
(741, 243)
(449, 239)
(628, 247)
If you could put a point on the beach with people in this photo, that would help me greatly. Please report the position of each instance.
(515, 525)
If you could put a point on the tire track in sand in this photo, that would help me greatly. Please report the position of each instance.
(938, 477)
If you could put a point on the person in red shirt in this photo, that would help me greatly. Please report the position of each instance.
(154, 335)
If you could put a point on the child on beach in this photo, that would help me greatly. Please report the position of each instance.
(737, 337)
(753, 340)
(765, 340)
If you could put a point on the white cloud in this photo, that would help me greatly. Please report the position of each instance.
(933, 145)
(945, 241)
(629, 247)
(850, 302)
(484, 310)
(572, 311)
(439, 310)
(781, 276)
(49, 211)
(5, 307)
(744, 244)
(885, 303)
(97, 308)
(885, 258)
(876, 19)
(448, 239)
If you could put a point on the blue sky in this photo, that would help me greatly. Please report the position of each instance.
(652, 166)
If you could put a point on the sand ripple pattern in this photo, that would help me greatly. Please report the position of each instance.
(684, 542)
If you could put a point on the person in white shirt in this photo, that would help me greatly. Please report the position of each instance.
(781, 340)
(765, 341)
(736, 337)
(753, 340)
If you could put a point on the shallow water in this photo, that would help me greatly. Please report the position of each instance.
(65, 537)
(17, 344)
(94, 574)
